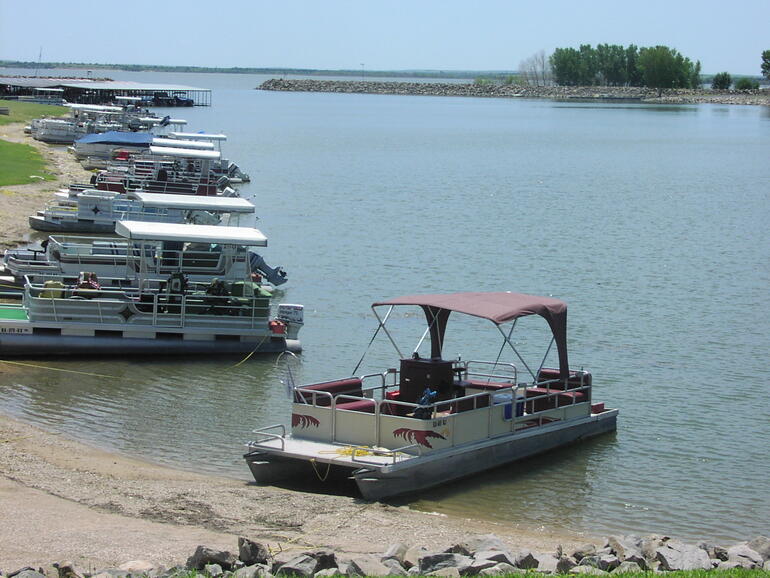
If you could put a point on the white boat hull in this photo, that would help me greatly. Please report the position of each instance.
(30, 345)
(376, 484)
(435, 468)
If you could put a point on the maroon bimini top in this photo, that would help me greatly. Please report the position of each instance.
(498, 307)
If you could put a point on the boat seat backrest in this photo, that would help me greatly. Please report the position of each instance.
(350, 386)
(574, 380)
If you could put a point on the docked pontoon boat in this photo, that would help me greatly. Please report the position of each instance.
(146, 249)
(149, 315)
(95, 211)
(433, 420)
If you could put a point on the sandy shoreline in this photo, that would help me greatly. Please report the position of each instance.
(69, 501)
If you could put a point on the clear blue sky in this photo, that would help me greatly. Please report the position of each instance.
(399, 34)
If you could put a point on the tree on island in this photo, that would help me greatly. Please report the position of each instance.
(663, 67)
(766, 64)
(746, 84)
(611, 65)
(721, 81)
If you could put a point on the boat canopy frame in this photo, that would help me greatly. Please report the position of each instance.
(498, 307)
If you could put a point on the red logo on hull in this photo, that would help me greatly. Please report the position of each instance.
(303, 421)
(417, 435)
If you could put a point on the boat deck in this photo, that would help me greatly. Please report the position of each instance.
(11, 313)
(344, 455)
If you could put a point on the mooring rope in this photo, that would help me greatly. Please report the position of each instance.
(37, 366)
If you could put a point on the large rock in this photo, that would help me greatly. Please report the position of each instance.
(324, 559)
(67, 570)
(608, 562)
(501, 569)
(477, 543)
(395, 552)
(432, 562)
(394, 567)
(587, 569)
(367, 566)
(213, 570)
(495, 556)
(583, 551)
(676, 555)
(139, 567)
(27, 572)
(412, 557)
(254, 571)
(450, 571)
(745, 556)
(627, 567)
(302, 565)
(204, 556)
(250, 552)
(328, 572)
(526, 560)
(761, 545)
(715, 552)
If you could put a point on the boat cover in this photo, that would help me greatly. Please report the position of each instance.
(499, 308)
(183, 152)
(154, 231)
(194, 202)
(118, 138)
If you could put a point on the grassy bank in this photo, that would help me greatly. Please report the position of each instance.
(21, 164)
(26, 111)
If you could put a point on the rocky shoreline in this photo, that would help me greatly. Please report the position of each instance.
(483, 555)
(490, 90)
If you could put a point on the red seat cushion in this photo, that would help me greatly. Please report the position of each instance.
(364, 405)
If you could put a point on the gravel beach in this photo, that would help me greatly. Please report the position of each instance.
(62, 500)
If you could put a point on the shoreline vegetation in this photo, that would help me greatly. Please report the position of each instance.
(493, 90)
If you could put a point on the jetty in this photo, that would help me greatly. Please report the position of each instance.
(494, 90)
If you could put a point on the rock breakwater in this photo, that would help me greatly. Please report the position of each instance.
(480, 555)
(491, 90)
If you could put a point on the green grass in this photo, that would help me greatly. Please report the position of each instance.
(21, 164)
(26, 111)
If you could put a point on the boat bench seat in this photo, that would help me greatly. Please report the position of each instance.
(351, 386)
(544, 403)
(485, 385)
(573, 381)
(363, 405)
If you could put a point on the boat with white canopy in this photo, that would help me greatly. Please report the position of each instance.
(151, 313)
(225, 167)
(139, 252)
(97, 211)
(431, 420)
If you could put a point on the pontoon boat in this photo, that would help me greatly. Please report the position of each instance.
(432, 420)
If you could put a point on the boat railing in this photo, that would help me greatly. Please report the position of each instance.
(487, 371)
(356, 418)
(118, 305)
(265, 434)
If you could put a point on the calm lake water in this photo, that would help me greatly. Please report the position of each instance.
(652, 222)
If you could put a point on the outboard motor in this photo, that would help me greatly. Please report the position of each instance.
(276, 276)
(223, 182)
(202, 218)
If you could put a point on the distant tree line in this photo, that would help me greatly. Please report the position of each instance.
(657, 67)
